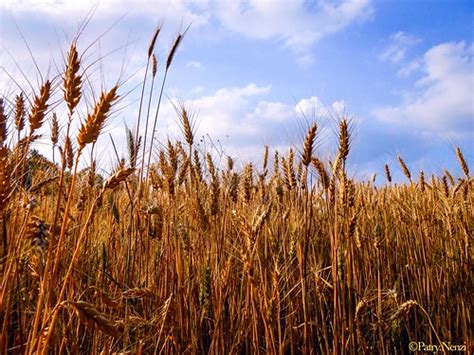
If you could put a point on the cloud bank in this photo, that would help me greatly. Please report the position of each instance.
(441, 99)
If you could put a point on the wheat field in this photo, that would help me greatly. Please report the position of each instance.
(174, 253)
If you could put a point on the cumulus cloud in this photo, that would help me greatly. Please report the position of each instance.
(295, 23)
(273, 111)
(186, 10)
(245, 111)
(226, 111)
(313, 107)
(441, 100)
(242, 119)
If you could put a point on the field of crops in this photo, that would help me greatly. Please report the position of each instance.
(174, 253)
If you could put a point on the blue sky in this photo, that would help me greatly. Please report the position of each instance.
(255, 72)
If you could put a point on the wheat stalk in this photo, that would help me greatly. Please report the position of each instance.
(3, 124)
(153, 41)
(88, 314)
(462, 162)
(308, 145)
(19, 113)
(40, 105)
(91, 128)
(404, 167)
(322, 172)
(72, 80)
(117, 178)
(5, 177)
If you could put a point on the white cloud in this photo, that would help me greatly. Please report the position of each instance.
(194, 64)
(243, 111)
(440, 101)
(400, 42)
(227, 110)
(314, 108)
(186, 11)
(297, 24)
(410, 68)
(273, 111)
(241, 119)
(292, 22)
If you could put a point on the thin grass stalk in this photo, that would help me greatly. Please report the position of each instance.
(142, 95)
(154, 69)
(111, 183)
(158, 105)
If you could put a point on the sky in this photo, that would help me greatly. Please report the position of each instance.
(258, 72)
